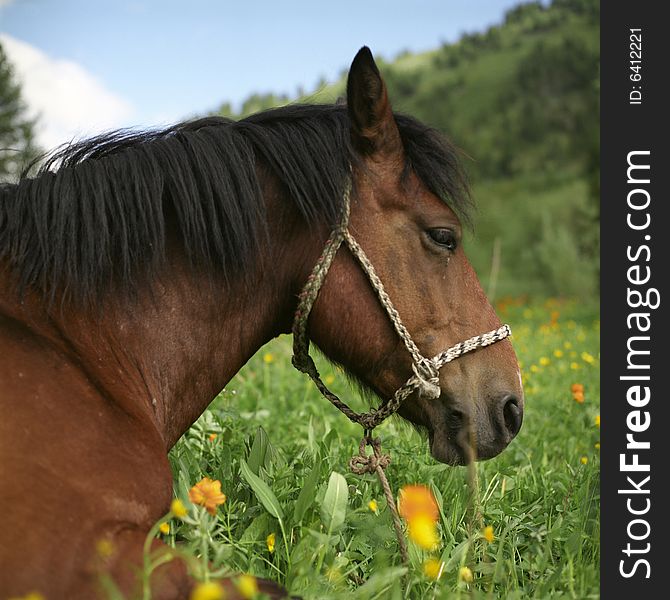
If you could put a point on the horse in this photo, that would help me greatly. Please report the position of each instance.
(141, 270)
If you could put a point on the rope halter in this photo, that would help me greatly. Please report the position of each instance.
(425, 380)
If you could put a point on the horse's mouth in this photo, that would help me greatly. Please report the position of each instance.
(450, 447)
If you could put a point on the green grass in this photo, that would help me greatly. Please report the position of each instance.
(272, 427)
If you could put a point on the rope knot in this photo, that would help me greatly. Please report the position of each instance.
(428, 376)
(369, 463)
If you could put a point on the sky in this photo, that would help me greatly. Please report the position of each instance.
(87, 66)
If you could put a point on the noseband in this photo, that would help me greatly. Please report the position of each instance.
(426, 370)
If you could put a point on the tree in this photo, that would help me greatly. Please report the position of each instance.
(17, 138)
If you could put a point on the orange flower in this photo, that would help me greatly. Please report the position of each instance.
(207, 493)
(578, 397)
(212, 437)
(577, 387)
(418, 500)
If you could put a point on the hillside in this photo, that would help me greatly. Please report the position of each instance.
(521, 100)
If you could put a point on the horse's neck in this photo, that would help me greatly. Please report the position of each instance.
(167, 356)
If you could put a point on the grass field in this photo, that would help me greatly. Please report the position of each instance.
(274, 444)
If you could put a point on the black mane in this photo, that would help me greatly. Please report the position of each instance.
(100, 216)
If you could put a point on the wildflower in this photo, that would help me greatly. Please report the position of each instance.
(164, 528)
(465, 574)
(270, 541)
(207, 493)
(576, 387)
(432, 568)
(583, 460)
(247, 586)
(212, 437)
(544, 361)
(372, 505)
(487, 532)
(329, 379)
(567, 345)
(558, 353)
(586, 357)
(178, 509)
(597, 446)
(574, 366)
(104, 548)
(417, 499)
(578, 397)
(597, 420)
(534, 369)
(208, 591)
(423, 531)
(268, 358)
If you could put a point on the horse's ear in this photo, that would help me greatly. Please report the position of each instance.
(373, 128)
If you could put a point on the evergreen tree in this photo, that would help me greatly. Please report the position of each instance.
(17, 139)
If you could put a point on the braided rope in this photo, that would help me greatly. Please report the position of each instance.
(376, 463)
(425, 380)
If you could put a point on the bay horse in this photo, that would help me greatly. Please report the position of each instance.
(140, 271)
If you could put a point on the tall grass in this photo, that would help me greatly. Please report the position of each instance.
(541, 496)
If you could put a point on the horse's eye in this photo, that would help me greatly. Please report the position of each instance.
(443, 237)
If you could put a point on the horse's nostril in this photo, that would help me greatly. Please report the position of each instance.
(512, 414)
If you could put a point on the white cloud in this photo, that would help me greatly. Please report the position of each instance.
(68, 101)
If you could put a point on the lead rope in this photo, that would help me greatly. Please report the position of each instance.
(425, 380)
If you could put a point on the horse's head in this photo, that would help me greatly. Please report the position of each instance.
(413, 239)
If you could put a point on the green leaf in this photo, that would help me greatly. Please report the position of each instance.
(378, 583)
(258, 451)
(257, 530)
(306, 496)
(334, 506)
(262, 490)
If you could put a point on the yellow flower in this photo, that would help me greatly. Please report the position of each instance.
(488, 534)
(534, 369)
(465, 574)
(583, 460)
(586, 357)
(597, 420)
(567, 345)
(558, 353)
(207, 493)
(544, 361)
(597, 446)
(574, 366)
(164, 527)
(270, 541)
(423, 531)
(178, 509)
(415, 500)
(268, 358)
(104, 548)
(29, 596)
(329, 379)
(208, 591)
(247, 586)
(372, 505)
(432, 568)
